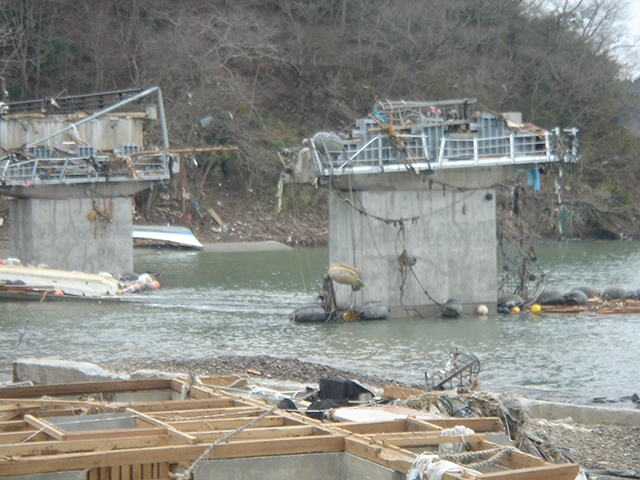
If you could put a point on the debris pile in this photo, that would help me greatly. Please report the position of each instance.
(29, 282)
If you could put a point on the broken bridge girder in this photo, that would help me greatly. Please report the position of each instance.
(421, 137)
(38, 162)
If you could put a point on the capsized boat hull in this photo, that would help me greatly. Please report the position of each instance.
(171, 235)
(71, 283)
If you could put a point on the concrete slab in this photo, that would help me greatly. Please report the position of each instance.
(583, 414)
(377, 414)
(68, 475)
(334, 465)
(286, 467)
(46, 371)
(246, 247)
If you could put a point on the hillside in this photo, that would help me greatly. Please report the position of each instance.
(261, 76)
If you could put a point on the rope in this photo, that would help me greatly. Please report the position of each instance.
(465, 457)
(189, 471)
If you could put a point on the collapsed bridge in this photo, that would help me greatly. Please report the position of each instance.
(71, 165)
(413, 197)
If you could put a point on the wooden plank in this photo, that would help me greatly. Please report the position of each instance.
(171, 405)
(279, 446)
(116, 434)
(204, 413)
(53, 447)
(392, 392)
(8, 412)
(484, 424)
(416, 441)
(416, 425)
(136, 472)
(85, 388)
(17, 437)
(13, 426)
(173, 432)
(174, 454)
(563, 471)
(258, 433)
(394, 459)
(226, 424)
(390, 426)
(46, 427)
(147, 470)
(163, 470)
(200, 391)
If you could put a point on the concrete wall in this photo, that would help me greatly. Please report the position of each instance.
(334, 465)
(58, 233)
(69, 475)
(453, 239)
(104, 133)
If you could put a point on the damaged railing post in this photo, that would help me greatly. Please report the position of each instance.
(512, 146)
(443, 142)
(475, 152)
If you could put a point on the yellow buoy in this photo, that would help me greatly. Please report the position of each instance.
(515, 310)
(343, 273)
(349, 316)
(535, 309)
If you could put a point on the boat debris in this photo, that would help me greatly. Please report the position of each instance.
(40, 283)
(168, 235)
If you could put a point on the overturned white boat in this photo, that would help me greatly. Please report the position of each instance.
(19, 281)
(166, 235)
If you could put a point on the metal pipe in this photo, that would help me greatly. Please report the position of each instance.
(126, 101)
(163, 122)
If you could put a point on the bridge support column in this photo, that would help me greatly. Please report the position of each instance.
(449, 234)
(81, 234)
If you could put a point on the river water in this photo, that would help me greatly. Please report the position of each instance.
(212, 304)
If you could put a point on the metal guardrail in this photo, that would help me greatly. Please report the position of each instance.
(90, 102)
(377, 154)
(18, 170)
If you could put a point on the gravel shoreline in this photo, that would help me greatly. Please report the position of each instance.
(285, 369)
(596, 448)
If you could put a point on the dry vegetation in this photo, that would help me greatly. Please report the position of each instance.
(260, 76)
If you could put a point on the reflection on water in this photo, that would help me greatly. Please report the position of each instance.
(238, 303)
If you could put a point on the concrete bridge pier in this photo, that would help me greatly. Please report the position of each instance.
(84, 234)
(413, 200)
(417, 248)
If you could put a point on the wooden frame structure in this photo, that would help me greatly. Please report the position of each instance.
(151, 429)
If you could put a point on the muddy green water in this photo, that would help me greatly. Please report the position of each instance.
(238, 303)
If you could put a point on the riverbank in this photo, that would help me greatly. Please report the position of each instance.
(596, 447)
